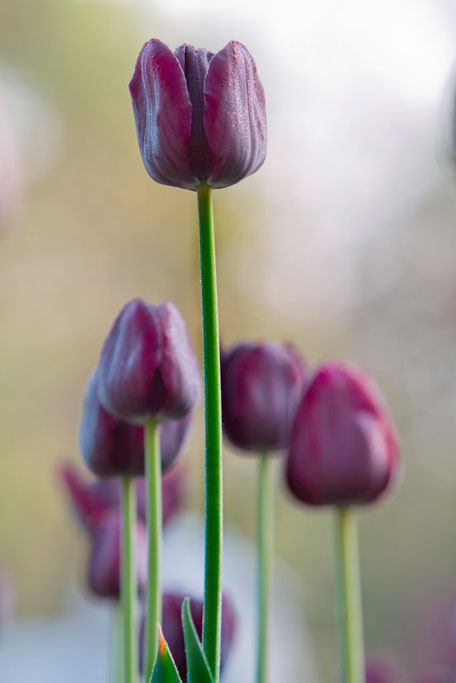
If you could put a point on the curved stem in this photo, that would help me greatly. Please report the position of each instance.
(265, 538)
(154, 532)
(349, 609)
(213, 422)
(129, 589)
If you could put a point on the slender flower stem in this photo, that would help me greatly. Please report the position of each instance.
(129, 589)
(349, 610)
(154, 533)
(265, 538)
(213, 420)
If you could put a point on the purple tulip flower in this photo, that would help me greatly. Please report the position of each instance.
(343, 447)
(91, 500)
(200, 117)
(261, 388)
(104, 567)
(174, 636)
(147, 366)
(112, 447)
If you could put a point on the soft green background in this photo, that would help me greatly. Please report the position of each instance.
(97, 231)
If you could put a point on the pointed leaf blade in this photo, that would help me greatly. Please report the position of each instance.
(198, 670)
(164, 670)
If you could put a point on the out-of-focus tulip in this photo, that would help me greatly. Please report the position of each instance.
(174, 636)
(91, 500)
(200, 117)
(380, 670)
(261, 388)
(104, 568)
(112, 447)
(148, 367)
(437, 632)
(343, 447)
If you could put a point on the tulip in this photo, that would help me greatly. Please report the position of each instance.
(343, 447)
(113, 447)
(104, 567)
(200, 117)
(91, 500)
(148, 368)
(173, 633)
(261, 388)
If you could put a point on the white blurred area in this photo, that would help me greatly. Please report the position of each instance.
(80, 636)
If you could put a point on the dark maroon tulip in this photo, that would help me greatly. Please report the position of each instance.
(172, 628)
(148, 367)
(343, 447)
(91, 500)
(200, 117)
(380, 670)
(104, 566)
(261, 388)
(112, 447)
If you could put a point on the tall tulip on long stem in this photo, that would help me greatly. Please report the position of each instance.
(343, 451)
(261, 388)
(201, 124)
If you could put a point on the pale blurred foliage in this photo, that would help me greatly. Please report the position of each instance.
(97, 231)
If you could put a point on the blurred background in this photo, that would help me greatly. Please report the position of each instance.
(342, 244)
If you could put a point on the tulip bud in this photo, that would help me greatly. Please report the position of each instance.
(147, 366)
(261, 388)
(91, 500)
(200, 117)
(104, 569)
(343, 447)
(112, 447)
(173, 633)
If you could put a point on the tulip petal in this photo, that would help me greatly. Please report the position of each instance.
(163, 114)
(235, 115)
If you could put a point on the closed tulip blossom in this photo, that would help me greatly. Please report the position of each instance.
(343, 447)
(173, 633)
(200, 117)
(261, 388)
(112, 447)
(148, 368)
(104, 567)
(91, 500)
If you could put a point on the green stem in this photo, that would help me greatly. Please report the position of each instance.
(349, 610)
(129, 589)
(265, 522)
(154, 532)
(213, 422)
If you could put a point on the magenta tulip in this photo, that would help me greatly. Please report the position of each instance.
(104, 568)
(200, 117)
(343, 447)
(261, 388)
(147, 366)
(92, 499)
(112, 447)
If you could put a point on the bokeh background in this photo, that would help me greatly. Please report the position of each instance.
(343, 244)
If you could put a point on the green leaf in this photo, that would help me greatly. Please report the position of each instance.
(164, 670)
(198, 670)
